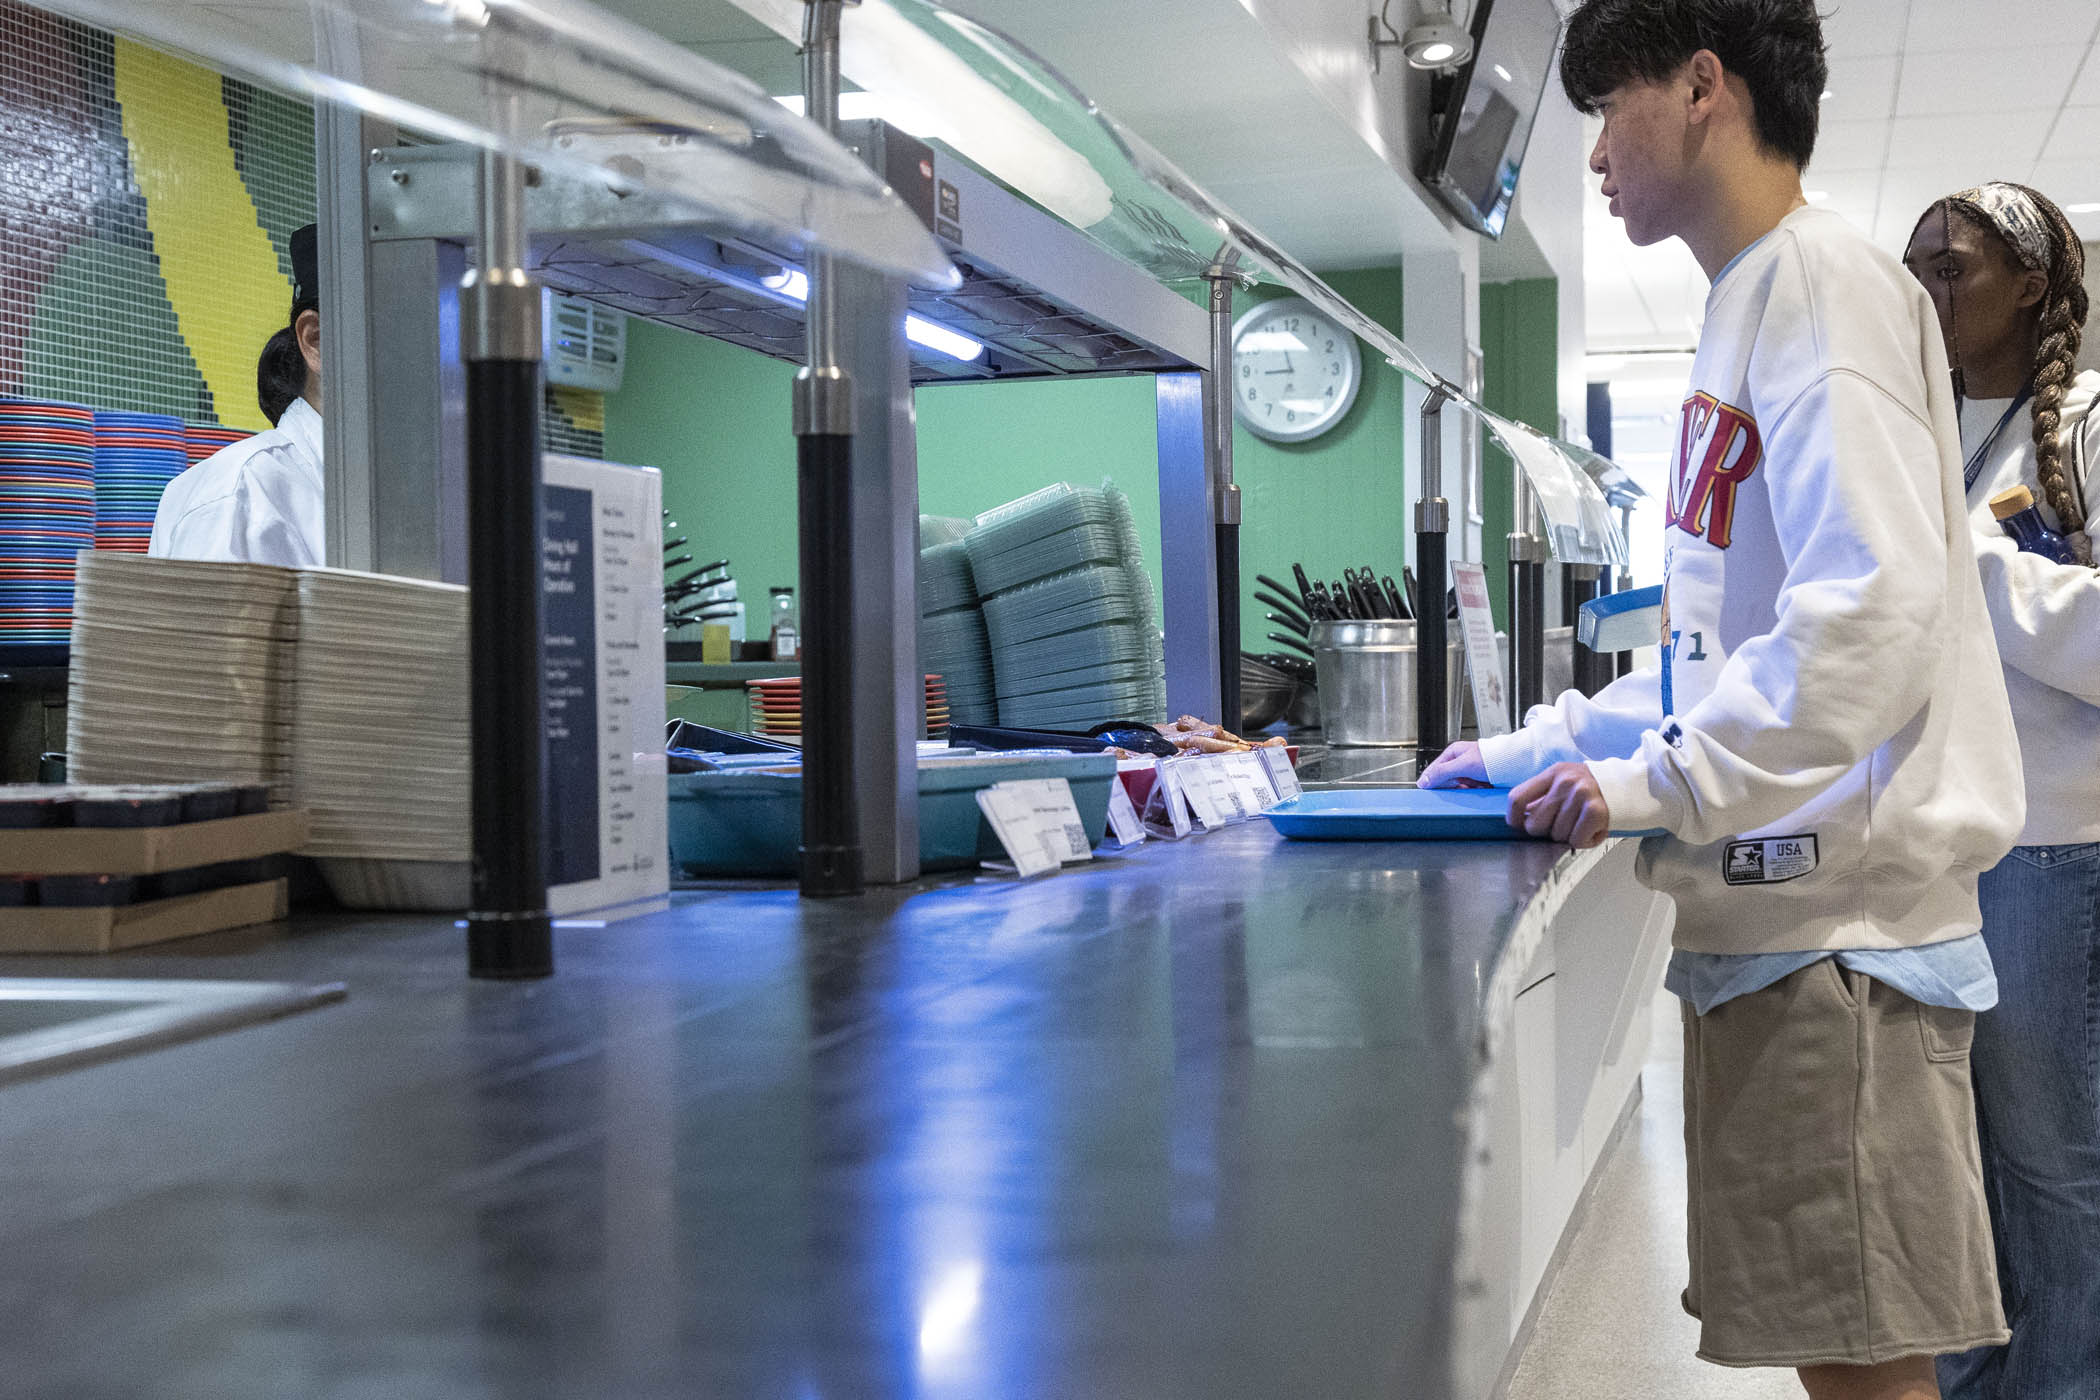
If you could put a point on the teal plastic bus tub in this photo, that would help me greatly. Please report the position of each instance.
(750, 824)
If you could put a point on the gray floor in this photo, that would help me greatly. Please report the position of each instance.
(1612, 1328)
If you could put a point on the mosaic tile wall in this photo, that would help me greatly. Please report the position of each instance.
(146, 205)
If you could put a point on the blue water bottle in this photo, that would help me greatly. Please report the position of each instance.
(2020, 518)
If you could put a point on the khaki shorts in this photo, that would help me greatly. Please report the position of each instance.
(1836, 1199)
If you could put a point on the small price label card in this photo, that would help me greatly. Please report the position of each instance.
(1282, 776)
(1167, 810)
(1037, 822)
(1123, 819)
(1250, 781)
(1214, 794)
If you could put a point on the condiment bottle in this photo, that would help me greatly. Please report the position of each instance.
(787, 630)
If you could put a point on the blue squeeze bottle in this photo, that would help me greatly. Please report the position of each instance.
(2020, 518)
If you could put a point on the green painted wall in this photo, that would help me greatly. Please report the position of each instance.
(715, 419)
(1339, 501)
(1520, 352)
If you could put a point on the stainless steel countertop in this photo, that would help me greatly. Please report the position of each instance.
(1179, 1124)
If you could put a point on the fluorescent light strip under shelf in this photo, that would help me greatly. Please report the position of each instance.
(918, 330)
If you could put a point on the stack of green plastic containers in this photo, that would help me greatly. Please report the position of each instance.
(1068, 610)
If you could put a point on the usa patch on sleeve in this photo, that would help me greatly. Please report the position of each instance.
(1773, 861)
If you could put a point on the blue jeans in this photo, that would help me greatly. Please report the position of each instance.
(2037, 1073)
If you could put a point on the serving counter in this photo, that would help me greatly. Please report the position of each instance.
(1220, 1118)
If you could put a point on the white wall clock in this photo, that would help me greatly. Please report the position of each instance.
(1294, 371)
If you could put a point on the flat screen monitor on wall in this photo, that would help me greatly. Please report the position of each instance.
(1482, 118)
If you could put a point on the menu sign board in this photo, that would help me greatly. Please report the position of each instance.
(601, 571)
(1483, 657)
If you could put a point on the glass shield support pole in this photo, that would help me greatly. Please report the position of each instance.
(1222, 275)
(1527, 603)
(509, 930)
(831, 840)
(1579, 584)
(1432, 631)
(1623, 663)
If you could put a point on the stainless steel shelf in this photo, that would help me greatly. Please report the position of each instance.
(1043, 298)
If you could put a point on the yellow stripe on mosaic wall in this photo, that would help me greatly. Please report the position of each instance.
(223, 278)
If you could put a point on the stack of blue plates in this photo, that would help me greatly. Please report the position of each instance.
(47, 516)
(136, 456)
(1068, 610)
(952, 640)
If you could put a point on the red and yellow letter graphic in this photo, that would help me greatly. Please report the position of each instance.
(1717, 451)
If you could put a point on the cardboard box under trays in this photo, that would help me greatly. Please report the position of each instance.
(112, 928)
(94, 869)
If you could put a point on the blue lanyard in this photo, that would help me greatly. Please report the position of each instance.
(1975, 467)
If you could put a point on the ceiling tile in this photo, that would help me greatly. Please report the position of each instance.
(2077, 137)
(1981, 80)
(1846, 145)
(1949, 24)
(1865, 28)
(1861, 89)
(2085, 91)
(2070, 183)
(2005, 143)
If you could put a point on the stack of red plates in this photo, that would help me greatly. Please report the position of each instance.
(201, 442)
(776, 707)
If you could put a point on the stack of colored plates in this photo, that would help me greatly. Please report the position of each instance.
(380, 743)
(205, 441)
(776, 707)
(136, 456)
(938, 713)
(47, 515)
(1068, 610)
(952, 638)
(180, 671)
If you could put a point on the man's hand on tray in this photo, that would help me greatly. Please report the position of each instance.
(1563, 803)
(1459, 766)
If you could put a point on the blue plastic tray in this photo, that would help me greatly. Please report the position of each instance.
(1397, 814)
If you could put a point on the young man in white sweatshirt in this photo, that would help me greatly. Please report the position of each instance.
(1825, 761)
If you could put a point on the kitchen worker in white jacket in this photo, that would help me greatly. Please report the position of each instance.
(262, 501)
(1825, 761)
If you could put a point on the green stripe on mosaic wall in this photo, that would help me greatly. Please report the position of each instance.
(272, 138)
(104, 334)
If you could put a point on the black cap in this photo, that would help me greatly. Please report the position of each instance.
(306, 271)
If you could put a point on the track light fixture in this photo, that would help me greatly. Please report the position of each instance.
(1435, 42)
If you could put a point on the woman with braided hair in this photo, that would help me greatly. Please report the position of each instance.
(2005, 270)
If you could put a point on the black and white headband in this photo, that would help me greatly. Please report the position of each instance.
(2017, 218)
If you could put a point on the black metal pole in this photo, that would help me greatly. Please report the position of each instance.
(1527, 596)
(1225, 493)
(831, 850)
(1432, 632)
(509, 929)
(1229, 625)
(1579, 584)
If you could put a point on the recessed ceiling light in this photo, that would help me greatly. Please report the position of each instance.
(2082, 208)
(1818, 196)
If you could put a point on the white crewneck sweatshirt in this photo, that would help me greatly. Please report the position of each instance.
(2045, 616)
(1827, 750)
